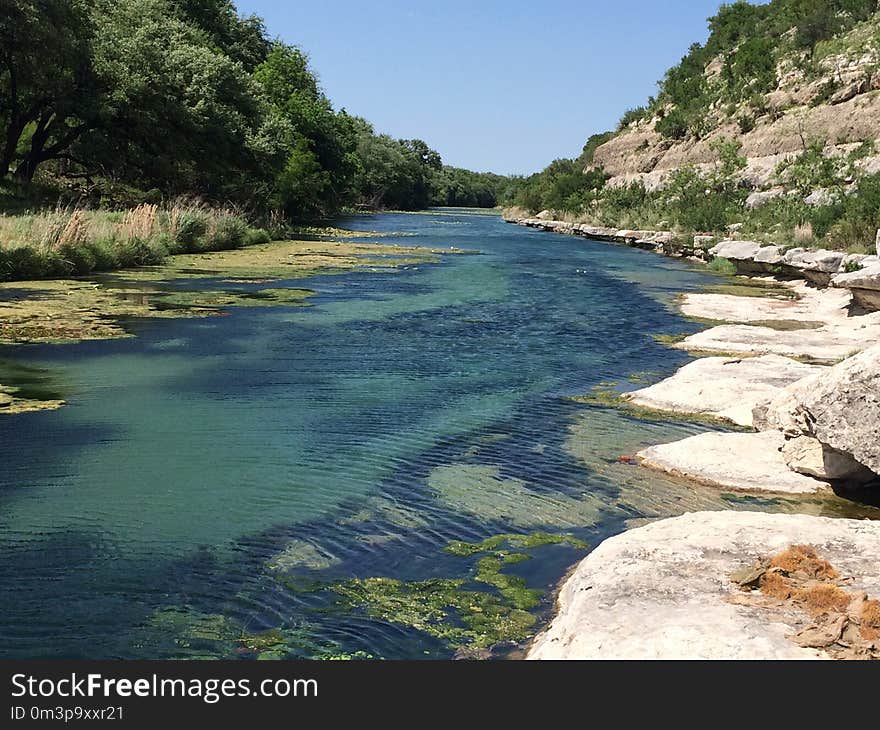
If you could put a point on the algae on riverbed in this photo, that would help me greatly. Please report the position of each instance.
(68, 310)
(25, 389)
(480, 490)
(439, 607)
(445, 609)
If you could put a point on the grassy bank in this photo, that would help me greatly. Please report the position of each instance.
(76, 242)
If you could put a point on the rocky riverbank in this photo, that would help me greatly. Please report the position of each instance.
(799, 366)
(688, 588)
(859, 274)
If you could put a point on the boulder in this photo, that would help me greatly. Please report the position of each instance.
(664, 590)
(756, 200)
(826, 262)
(770, 255)
(749, 462)
(807, 455)
(544, 215)
(736, 250)
(722, 387)
(864, 284)
(820, 198)
(825, 345)
(854, 262)
(839, 407)
(815, 266)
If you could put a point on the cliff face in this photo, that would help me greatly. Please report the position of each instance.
(834, 99)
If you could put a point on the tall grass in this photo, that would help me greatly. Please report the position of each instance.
(71, 242)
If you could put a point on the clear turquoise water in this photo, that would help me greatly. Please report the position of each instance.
(192, 454)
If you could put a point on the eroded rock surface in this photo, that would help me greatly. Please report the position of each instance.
(723, 387)
(750, 462)
(664, 591)
(840, 408)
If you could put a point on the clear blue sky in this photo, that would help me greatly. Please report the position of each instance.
(499, 86)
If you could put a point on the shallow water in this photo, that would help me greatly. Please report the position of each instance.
(203, 459)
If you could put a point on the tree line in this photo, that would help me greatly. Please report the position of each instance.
(137, 99)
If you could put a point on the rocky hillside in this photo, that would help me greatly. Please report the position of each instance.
(828, 94)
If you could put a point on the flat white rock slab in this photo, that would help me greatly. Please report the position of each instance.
(660, 591)
(812, 305)
(840, 335)
(830, 344)
(748, 462)
(723, 387)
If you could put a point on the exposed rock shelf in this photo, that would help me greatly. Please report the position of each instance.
(663, 591)
(748, 462)
(724, 388)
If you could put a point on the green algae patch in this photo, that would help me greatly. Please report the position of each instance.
(333, 232)
(786, 325)
(445, 608)
(670, 339)
(11, 403)
(511, 587)
(533, 540)
(282, 260)
(751, 288)
(192, 634)
(439, 607)
(489, 568)
(481, 491)
(642, 377)
(781, 325)
(74, 310)
(26, 389)
(389, 510)
(212, 299)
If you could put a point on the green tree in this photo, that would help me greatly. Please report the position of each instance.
(47, 84)
(317, 137)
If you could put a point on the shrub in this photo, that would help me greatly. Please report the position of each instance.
(746, 123)
(256, 235)
(226, 231)
(22, 262)
(632, 115)
(673, 126)
(188, 228)
(722, 265)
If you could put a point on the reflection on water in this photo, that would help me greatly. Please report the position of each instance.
(210, 479)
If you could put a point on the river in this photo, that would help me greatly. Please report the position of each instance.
(210, 478)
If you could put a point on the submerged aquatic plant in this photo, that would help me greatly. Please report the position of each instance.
(445, 609)
(439, 607)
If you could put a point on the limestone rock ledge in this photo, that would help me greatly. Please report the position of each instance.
(723, 387)
(748, 462)
(663, 591)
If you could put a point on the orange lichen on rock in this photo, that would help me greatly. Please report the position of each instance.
(870, 620)
(803, 558)
(775, 585)
(820, 598)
